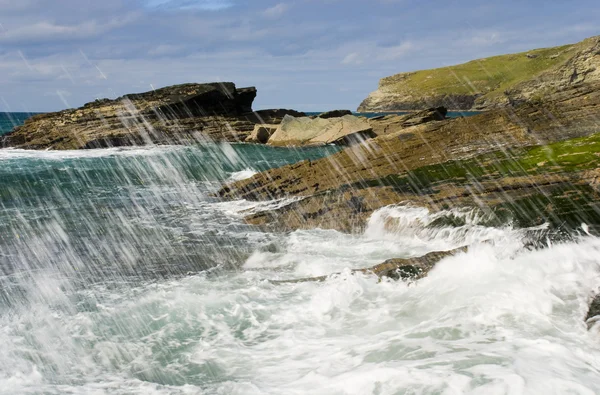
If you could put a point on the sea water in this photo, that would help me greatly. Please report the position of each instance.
(121, 273)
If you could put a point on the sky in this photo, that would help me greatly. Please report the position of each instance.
(309, 55)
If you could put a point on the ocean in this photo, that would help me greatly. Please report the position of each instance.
(8, 120)
(121, 273)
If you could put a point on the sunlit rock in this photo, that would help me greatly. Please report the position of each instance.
(304, 131)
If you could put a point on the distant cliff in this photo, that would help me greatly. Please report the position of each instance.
(170, 115)
(489, 82)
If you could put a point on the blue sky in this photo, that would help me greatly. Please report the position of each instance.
(308, 55)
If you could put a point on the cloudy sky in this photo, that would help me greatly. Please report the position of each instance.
(308, 55)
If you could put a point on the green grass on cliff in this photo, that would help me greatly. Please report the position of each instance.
(562, 157)
(487, 76)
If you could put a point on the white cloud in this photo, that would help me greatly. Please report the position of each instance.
(276, 11)
(47, 31)
(352, 58)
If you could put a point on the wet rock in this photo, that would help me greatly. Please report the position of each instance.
(411, 268)
(408, 269)
(593, 314)
(334, 114)
(304, 131)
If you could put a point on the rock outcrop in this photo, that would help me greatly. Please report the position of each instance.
(334, 114)
(170, 115)
(533, 163)
(490, 82)
(305, 131)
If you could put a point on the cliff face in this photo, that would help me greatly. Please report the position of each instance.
(496, 161)
(175, 114)
(489, 82)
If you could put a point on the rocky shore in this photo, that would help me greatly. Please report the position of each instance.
(533, 163)
(532, 157)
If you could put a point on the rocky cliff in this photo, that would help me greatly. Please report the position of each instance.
(532, 163)
(489, 82)
(170, 115)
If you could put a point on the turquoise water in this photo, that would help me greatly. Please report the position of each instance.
(8, 120)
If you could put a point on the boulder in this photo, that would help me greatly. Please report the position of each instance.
(334, 114)
(304, 131)
(261, 133)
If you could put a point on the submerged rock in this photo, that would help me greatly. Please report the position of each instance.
(171, 115)
(305, 131)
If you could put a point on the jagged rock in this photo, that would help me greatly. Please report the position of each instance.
(261, 133)
(334, 114)
(171, 115)
(395, 268)
(383, 125)
(304, 131)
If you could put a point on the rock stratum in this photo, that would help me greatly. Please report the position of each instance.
(172, 115)
(534, 162)
(489, 82)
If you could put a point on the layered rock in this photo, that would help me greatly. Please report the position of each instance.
(171, 115)
(496, 161)
(305, 131)
(489, 82)
(389, 124)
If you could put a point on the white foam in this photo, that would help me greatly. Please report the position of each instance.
(149, 150)
(242, 175)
